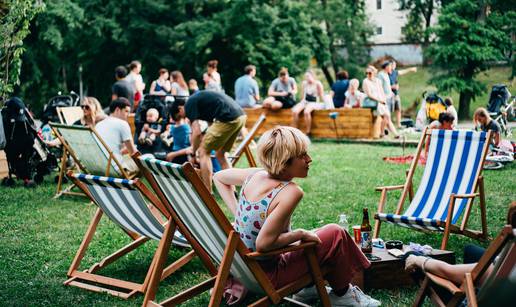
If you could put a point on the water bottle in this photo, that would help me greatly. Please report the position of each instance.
(343, 222)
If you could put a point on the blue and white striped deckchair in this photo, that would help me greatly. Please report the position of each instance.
(182, 189)
(89, 152)
(448, 185)
(123, 201)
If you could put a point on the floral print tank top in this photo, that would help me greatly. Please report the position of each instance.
(250, 216)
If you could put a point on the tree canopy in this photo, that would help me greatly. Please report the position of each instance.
(470, 38)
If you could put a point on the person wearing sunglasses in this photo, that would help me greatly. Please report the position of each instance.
(92, 112)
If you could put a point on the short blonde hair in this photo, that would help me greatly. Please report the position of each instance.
(354, 83)
(278, 146)
(152, 111)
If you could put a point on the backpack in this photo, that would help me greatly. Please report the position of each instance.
(434, 106)
(498, 98)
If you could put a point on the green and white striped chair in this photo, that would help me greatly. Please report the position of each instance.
(181, 188)
(124, 202)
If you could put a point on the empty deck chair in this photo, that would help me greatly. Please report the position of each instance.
(503, 246)
(450, 182)
(69, 115)
(243, 148)
(124, 202)
(89, 152)
(182, 189)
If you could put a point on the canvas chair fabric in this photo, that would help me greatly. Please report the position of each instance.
(197, 217)
(89, 150)
(453, 164)
(69, 115)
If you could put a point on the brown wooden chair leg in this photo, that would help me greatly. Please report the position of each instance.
(317, 276)
(446, 234)
(381, 205)
(421, 293)
(482, 196)
(224, 268)
(156, 269)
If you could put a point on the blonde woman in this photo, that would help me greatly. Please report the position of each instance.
(484, 122)
(92, 112)
(373, 89)
(268, 199)
(311, 95)
(179, 86)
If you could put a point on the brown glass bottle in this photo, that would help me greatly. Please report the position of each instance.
(365, 232)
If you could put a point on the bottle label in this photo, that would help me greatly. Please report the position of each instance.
(366, 242)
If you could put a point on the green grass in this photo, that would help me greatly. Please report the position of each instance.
(413, 85)
(40, 235)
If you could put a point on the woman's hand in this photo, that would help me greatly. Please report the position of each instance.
(309, 236)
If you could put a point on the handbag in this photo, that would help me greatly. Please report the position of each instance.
(370, 103)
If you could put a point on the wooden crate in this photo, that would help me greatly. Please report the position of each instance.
(351, 123)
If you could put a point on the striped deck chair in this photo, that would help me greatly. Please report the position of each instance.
(243, 148)
(450, 182)
(124, 202)
(182, 189)
(495, 290)
(89, 152)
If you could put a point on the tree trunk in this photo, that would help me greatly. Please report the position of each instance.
(327, 75)
(464, 102)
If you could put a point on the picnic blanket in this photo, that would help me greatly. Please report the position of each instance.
(404, 159)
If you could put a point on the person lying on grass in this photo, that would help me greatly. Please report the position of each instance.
(267, 200)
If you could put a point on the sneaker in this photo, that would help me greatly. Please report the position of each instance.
(148, 141)
(308, 295)
(354, 297)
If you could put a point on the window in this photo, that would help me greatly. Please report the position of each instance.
(378, 4)
(378, 30)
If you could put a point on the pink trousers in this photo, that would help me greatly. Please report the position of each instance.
(337, 250)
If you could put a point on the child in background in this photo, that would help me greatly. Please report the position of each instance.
(451, 109)
(180, 132)
(192, 86)
(151, 128)
(353, 97)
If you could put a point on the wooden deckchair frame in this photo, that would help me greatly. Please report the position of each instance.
(84, 279)
(68, 151)
(234, 245)
(471, 280)
(449, 227)
(69, 115)
(243, 148)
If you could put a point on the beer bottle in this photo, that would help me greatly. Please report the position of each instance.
(365, 233)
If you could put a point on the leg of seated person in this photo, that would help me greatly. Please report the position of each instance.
(337, 250)
(308, 116)
(267, 102)
(296, 111)
(276, 105)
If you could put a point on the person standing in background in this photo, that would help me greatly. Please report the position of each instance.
(179, 86)
(246, 88)
(121, 88)
(211, 77)
(135, 79)
(161, 86)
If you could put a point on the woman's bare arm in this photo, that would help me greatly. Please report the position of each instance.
(227, 179)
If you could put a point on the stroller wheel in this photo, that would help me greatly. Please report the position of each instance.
(29, 183)
(493, 165)
(8, 182)
(38, 178)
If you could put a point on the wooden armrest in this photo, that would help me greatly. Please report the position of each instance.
(390, 187)
(290, 248)
(443, 282)
(466, 195)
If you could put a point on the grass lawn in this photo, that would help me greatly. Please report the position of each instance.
(40, 235)
(413, 85)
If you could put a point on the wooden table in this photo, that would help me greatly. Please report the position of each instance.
(390, 273)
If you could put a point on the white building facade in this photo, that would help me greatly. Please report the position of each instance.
(388, 22)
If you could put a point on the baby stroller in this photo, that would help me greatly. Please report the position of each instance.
(59, 101)
(499, 107)
(500, 156)
(27, 155)
(160, 103)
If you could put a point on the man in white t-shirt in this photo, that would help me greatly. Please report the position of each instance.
(386, 84)
(116, 133)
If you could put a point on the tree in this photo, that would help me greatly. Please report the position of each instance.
(467, 41)
(343, 40)
(419, 19)
(15, 18)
